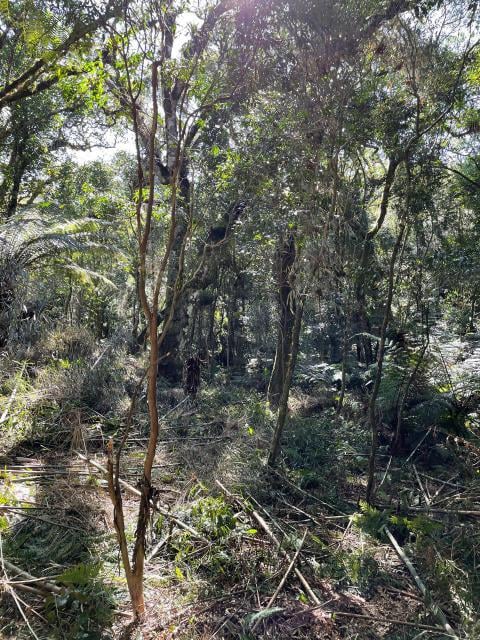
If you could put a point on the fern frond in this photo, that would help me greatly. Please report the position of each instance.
(87, 275)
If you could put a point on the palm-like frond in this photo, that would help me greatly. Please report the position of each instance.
(87, 275)
(26, 239)
(30, 238)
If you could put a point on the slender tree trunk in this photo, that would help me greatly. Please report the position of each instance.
(471, 321)
(18, 163)
(286, 310)
(364, 343)
(345, 350)
(171, 363)
(134, 569)
(176, 341)
(283, 405)
(372, 414)
(18, 173)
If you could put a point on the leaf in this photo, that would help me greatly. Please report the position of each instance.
(80, 574)
(179, 573)
(87, 275)
(252, 618)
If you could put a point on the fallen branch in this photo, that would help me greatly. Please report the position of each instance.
(284, 578)
(427, 499)
(313, 519)
(6, 583)
(136, 492)
(41, 583)
(305, 493)
(389, 621)
(433, 607)
(453, 512)
(272, 537)
(158, 547)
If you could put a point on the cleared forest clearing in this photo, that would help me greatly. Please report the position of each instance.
(212, 569)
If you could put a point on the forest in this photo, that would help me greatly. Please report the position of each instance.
(239, 319)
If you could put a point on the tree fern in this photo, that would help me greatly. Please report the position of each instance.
(29, 241)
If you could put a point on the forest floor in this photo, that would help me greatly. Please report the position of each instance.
(212, 568)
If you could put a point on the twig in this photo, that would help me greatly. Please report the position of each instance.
(385, 474)
(272, 537)
(284, 578)
(25, 514)
(158, 547)
(453, 512)
(35, 613)
(100, 357)
(444, 482)
(11, 590)
(305, 493)
(12, 397)
(23, 587)
(22, 612)
(418, 445)
(45, 583)
(422, 489)
(313, 519)
(402, 592)
(390, 621)
(156, 506)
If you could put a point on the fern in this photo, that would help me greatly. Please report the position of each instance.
(370, 520)
(80, 574)
(27, 240)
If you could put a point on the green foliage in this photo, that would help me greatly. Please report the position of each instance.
(293, 111)
(85, 608)
(80, 574)
(361, 569)
(354, 568)
(314, 449)
(370, 520)
(420, 525)
(264, 614)
(213, 516)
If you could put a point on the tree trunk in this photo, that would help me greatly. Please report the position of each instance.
(471, 320)
(15, 171)
(345, 350)
(361, 320)
(286, 309)
(372, 414)
(170, 356)
(283, 405)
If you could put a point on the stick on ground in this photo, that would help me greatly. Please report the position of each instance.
(434, 608)
(274, 539)
(136, 492)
